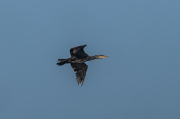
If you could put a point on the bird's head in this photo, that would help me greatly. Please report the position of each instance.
(100, 56)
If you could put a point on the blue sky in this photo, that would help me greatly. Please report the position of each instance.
(139, 80)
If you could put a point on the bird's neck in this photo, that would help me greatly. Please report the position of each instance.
(92, 58)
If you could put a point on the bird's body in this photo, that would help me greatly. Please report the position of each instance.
(77, 60)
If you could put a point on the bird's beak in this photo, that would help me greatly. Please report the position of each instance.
(104, 56)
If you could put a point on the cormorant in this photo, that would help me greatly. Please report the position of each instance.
(78, 57)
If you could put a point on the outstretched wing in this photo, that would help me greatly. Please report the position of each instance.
(78, 51)
(80, 69)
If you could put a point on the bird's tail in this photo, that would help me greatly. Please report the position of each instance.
(62, 62)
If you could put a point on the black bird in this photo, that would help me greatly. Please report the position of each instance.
(78, 57)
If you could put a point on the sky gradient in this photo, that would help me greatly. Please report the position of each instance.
(139, 80)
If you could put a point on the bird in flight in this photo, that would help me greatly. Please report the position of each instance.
(77, 60)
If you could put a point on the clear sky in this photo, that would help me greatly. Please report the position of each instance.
(139, 80)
